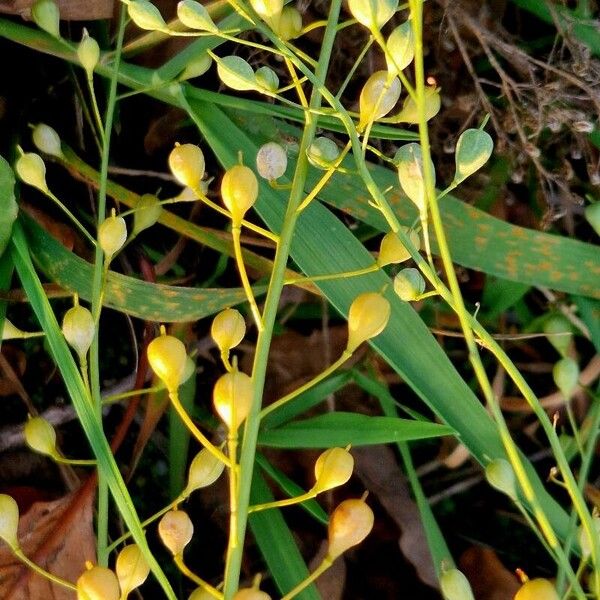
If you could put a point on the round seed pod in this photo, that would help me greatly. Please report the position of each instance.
(197, 66)
(455, 586)
(131, 568)
(236, 73)
(147, 212)
(232, 398)
(378, 96)
(289, 24)
(31, 170)
(566, 376)
(559, 332)
(40, 436)
(368, 315)
(168, 358)
(250, 594)
(333, 468)
(266, 79)
(175, 530)
(409, 162)
(239, 190)
(9, 520)
(323, 152)
(271, 161)
(410, 110)
(79, 329)
(373, 14)
(228, 329)
(409, 284)
(350, 523)
(393, 251)
(98, 583)
(195, 16)
(46, 140)
(537, 589)
(112, 234)
(88, 53)
(592, 215)
(204, 470)
(46, 15)
(401, 48)
(267, 8)
(186, 162)
(500, 475)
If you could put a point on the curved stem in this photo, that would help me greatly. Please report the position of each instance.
(34, 567)
(327, 562)
(239, 259)
(213, 591)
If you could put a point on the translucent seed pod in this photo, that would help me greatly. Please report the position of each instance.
(167, 358)
(323, 152)
(11, 332)
(196, 67)
(232, 398)
(40, 436)
(228, 329)
(236, 73)
(131, 569)
(88, 53)
(410, 110)
(147, 212)
(186, 162)
(239, 191)
(584, 539)
(267, 8)
(559, 332)
(289, 24)
(46, 140)
(368, 316)
(592, 215)
(455, 586)
(31, 170)
(473, 150)
(537, 589)
(46, 15)
(350, 523)
(333, 468)
(266, 79)
(501, 476)
(250, 594)
(566, 376)
(195, 16)
(409, 284)
(79, 329)
(373, 14)
(204, 470)
(112, 234)
(392, 251)
(378, 96)
(145, 15)
(271, 161)
(9, 520)
(409, 162)
(401, 48)
(98, 583)
(175, 530)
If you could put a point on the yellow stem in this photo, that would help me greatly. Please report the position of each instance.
(233, 487)
(285, 502)
(73, 461)
(356, 273)
(34, 567)
(327, 562)
(214, 592)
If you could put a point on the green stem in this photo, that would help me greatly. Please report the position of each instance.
(71, 216)
(34, 567)
(327, 562)
(314, 381)
(95, 109)
(117, 397)
(329, 276)
(73, 461)
(248, 450)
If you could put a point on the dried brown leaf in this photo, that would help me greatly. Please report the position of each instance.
(70, 10)
(489, 578)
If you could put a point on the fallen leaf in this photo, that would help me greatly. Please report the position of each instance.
(58, 536)
(489, 578)
(70, 10)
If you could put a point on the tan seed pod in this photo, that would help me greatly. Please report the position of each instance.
(175, 530)
(350, 523)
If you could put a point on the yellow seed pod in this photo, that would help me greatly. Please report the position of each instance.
(350, 523)
(409, 284)
(289, 24)
(9, 520)
(410, 110)
(186, 162)
(145, 15)
(455, 586)
(175, 530)
(88, 53)
(250, 594)
(368, 316)
(40, 436)
(537, 589)
(168, 358)
(228, 329)
(333, 468)
(204, 470)
(373, 14)
(392, 250)
(239, 190)
(501, 476)
(131, 568)
(31, 170)
(201, 594)
(267, 8)
(232, 398)
(378, 96)
(98, 583)
(46, 16)
(112, 234)
(46, 140)
(79, 329)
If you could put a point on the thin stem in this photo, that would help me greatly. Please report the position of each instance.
(323, 375)
(34, 567)
(95, 109)
(239, 259)
(332, 276)
(214, 592)
(281, 503)
(327, 562)
(71, 216)
(117, 397)
(74, 461)
(232, 443)
(355, 66)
